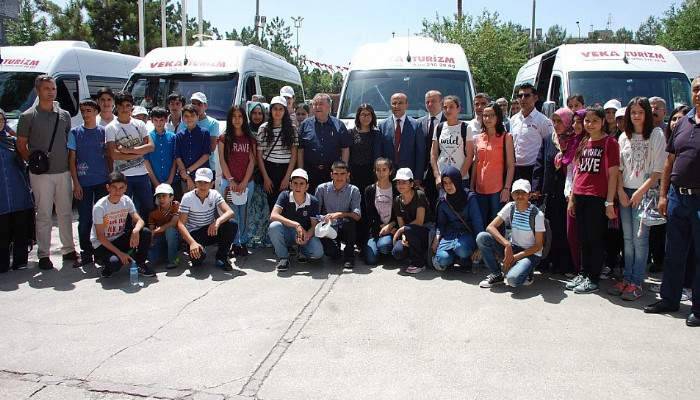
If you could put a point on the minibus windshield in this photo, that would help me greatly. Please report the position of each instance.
(17, 92)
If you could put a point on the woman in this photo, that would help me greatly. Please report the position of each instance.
(258, 210)
(16, 205)
(495, 163)
(377, 212)
(411, 208)
(566, 159)
(450, 144)
(302, 112)
(237, 160)
(642, 157)
(458, 222)
(548, 181)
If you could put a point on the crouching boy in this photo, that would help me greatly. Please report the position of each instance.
(162, 222)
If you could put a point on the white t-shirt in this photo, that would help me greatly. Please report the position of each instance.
(521, 233)
(383, 203)
(528, 133)
(640, 158)
(451, 147)
(112, 216)
(200, 213)
(127, 135)
(104, 122)
(473, 128)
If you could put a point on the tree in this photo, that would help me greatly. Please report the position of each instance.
(66, 23)
(681, 26)
(556, 36)
(623, 35)
(649, 31)
(29, 27)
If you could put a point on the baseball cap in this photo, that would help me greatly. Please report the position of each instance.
(203, 175)
(404, 174)
(287, 91)
(621, 112)
(521, 184)
(614, 103)
(299, 173)
(138, 110)
(199, 96)
(164, 188)
(278, 100)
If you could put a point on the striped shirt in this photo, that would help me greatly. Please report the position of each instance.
(521, 233)
(200, 213)
(279, 154)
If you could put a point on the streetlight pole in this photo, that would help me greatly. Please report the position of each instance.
(142, 40)
(532, 33)
(578, 25)
(297, 24)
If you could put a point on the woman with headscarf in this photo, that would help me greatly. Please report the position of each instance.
(458, 222)
(565, 159)
(258, 210)
(548, 181)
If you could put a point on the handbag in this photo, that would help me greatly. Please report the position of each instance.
(39, 160)
(649, 208)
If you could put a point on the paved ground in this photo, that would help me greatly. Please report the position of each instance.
(320, 333)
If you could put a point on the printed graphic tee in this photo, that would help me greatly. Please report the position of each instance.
(112, 216)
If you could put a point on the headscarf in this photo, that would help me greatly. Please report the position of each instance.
(570, 152)
(458, 200)
(567, 119)
(250, 106)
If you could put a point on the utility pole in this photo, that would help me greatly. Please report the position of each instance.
(532, 32)
(200, 23)
(459, 10)
(183, 8)
(142, 44)
(297, 24)
(257, 19)
(163, 24)
(578, 25)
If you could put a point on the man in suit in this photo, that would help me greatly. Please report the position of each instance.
(433, 104)
(402, 139)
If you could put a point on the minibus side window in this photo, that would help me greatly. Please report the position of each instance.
(250, 88)
(67, 94)
(556, 91)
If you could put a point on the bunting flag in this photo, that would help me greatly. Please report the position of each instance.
(332, 69)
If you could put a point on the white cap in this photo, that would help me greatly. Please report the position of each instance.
(325, 230)
(404, 174)
(199, 96)
(299, 173)
(138, 110)
(621, 112)
(203, 175)
(237, 199)
(521, 184)
(278, 100)
(614, 103)
(164, 188)
(287, 91)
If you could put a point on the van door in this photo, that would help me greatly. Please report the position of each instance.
(544, 74)
(68, 96)
(556, 90)
(250, 87)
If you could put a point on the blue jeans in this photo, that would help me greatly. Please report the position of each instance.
(518, 273)
(240, 214)
(90, 196)
(682, 233)
(141, 192)
(169, 239)
(376, 247)
(283, 236)
(455, 250)
(636, 236)
(489, 205)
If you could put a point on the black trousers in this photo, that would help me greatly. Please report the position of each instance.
(523, 172)
(559, 255)
(362, 176)
(102, 254)
(276, 173)
(223, 240)
(15, 230)
(593, 226)
(431, 192)
(657, 244)
(318, 173)
(613, 252)
(347, 233)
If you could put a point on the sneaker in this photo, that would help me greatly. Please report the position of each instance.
(282, 265)
(85, 259)
(529, 281)
(243, 251)
(656, 288)
(586, 286)
(106, 271)
(491, 280)
(687, 294)
(570, 285)
(146, 270)
(301, 258)
(224, 264)
(437, 265)
(605, 273)
(569, 275)
(17, 267)
(412, 269)
(349, 263)
(45, 263)
(618, 289)
(632, 292)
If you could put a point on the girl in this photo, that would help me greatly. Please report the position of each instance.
(302, 113)
(566, 159)
(410, 207)
(575, 102)
(642, 158)
(377, 212)
(458, 222)
(495, 163)
(450, 146)
(597, 162)
(236, 146)
(258, 210)
(256, 116)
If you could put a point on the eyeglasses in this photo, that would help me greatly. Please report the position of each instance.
(524, 95)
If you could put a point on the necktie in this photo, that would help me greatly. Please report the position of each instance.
(429, 135)
(397, 140)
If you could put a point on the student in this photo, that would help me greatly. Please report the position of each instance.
(88, 169)
(522, 252)
(642, 157)
(452, 145)
(378, 213)
(595, 184)
(105, 100)
(256, 116)
(160, 163)
(110, 236)
(141, 114)
(162, 222)
(458, 222)
(567, 161)
(236, 153)
(191, 148)
(610, 126)
(207, 124)
(175, 104)
(302, 112)
(575, 102)
(339, 205)
(205, 219)
(127, 143)
(411, 210)
(293, 220)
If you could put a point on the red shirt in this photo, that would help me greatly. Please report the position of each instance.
(238, 157)
(591, 177)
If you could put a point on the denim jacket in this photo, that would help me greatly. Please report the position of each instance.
(15, 194)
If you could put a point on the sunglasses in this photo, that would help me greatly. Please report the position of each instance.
(524, 95)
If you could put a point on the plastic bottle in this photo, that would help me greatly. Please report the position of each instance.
(134, 274)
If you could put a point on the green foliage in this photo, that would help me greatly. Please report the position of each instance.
(623, 35)
(649, 31)
(681, 26)
(28, 28)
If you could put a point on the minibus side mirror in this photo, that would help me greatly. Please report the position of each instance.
(548, 108)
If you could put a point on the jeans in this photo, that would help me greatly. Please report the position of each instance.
(141, 192)
(682, 233)
(489, 205)
(283, 237)
(223, 240)
(592, 230)
(53, 190)
(417, 249)
(347, 233)
(102, 254)
(240, 214)
(518, 272)
(636, 237)
(90, 196)
(378, 246)
(170, 239)
(458, 250)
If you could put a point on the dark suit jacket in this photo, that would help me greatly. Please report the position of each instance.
(412, 153)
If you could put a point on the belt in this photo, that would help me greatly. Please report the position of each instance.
(688, 191)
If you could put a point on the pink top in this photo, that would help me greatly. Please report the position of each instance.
(490, 163)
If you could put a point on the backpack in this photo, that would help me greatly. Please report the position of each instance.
(463, 126)
(547, 245)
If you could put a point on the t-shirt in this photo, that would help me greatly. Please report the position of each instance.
(685, 144)
(159, 217)
(37, 126)
(239, 156)
(280, 154)
(103, 122)
(211, 125)
(200, 213)
(451, 147)
(112, 217)
(382, 202)
(128, 135)
(190, 146)
(362, 149)
(89, 147)
(490, 163)
(640, 158)
(591, 176)
(521, 234)
(302, 213)
(473, 128)
(409, 211)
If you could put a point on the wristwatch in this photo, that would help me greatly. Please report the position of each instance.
(609, 203)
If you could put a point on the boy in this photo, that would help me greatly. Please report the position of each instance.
(339, 204)
(198, 224)
(110, 236)
(175, 103)
(293, 220)
(105, 99)
(162, 222)
(207, 124)
(88, 170)
(160, 163)
(191, 148)
(523, 251)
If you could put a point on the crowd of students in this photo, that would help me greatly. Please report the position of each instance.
(576, 194)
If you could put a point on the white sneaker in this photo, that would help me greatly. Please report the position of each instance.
(605, 272)
(687, 294)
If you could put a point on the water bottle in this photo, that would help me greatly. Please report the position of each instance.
(134, 274)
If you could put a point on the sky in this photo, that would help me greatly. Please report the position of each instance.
(333, 29)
